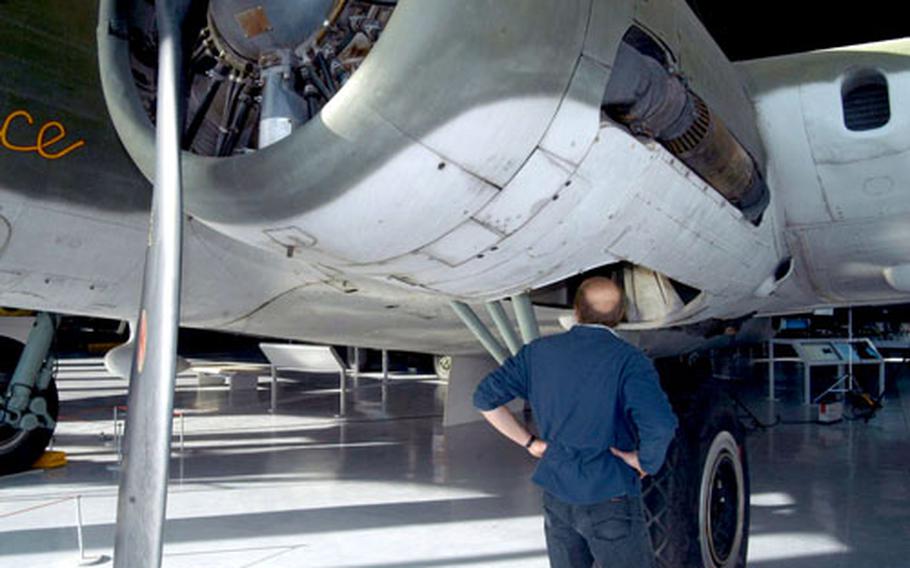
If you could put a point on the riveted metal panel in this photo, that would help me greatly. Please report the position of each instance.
(465, 242)
(575, 125)
(529, 192)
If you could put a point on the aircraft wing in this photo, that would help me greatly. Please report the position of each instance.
(344, 184)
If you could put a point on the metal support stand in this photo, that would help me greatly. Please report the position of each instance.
(273, 390)
(342, 393)
(881, 383)
(116, 433)
(813, 353)
(180, 415)
(355, 372)
(384, 385)
(771, 371)
(480, 331)
(80, 539)
(385, 368)
(504, 326)
(844, 383)
(527, 325)
(850, 351)
(527, 319)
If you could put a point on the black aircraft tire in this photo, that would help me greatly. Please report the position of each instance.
(18, 449)
(697, 506)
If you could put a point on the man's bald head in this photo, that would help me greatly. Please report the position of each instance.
(599, 300)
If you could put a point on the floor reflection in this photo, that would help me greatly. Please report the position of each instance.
(388, 486)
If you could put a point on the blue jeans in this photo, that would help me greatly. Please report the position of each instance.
(612, 532)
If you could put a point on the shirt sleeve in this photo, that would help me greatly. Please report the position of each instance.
(506, 383)
(646, 403)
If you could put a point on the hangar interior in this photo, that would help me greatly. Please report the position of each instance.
(390, 484)
(289, 180)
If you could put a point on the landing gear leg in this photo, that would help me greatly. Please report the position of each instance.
(28, 409)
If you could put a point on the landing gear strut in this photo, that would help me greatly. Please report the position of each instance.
(28, 409)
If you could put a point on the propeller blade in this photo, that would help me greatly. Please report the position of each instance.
(143, 484)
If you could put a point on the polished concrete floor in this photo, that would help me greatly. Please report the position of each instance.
(389, 487)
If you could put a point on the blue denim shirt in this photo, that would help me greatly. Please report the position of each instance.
(589, 390)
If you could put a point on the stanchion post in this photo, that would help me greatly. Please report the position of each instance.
(79, 536)
(274, 390)
(771, 369)
(118, 434)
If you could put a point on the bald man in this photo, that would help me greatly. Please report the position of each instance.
(604, 424)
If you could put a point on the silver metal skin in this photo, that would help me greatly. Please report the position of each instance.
(143, 486)
(480, 331)
(504, 326)
(31, 375)
(527, 319)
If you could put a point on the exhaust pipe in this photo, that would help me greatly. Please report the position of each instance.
(645, 97)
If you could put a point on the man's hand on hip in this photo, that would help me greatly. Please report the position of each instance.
(537, 448)
(631, 459)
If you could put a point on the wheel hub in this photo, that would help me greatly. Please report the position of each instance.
(721, 513)
(723, 508)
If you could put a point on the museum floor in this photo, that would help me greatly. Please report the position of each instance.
(390, 487)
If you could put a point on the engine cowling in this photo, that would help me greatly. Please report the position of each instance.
(467, 152)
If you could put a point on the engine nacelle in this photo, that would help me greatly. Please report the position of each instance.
(467, 154)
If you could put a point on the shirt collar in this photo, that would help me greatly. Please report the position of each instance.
(596, 326)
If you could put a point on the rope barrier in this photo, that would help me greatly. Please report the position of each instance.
(41, 506)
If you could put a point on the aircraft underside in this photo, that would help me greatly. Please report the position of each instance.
(539, 172)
